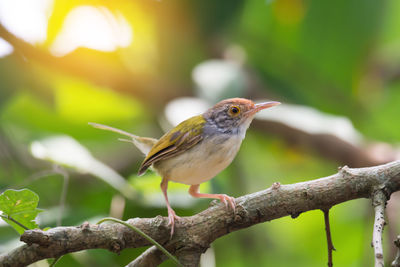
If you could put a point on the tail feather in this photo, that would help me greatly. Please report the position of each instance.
(144, 144)
(112, 129)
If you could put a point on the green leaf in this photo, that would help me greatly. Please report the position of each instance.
(19, 208)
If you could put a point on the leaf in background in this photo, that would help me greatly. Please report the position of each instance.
(219, 79)
(66, 151)
(20, 205)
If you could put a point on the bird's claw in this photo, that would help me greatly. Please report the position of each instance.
(227, 200)
(171, 220)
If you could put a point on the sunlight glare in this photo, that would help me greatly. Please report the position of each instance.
(92, 27)
(5, 48)
(26, 19)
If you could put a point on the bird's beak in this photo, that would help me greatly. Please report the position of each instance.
(261, 106)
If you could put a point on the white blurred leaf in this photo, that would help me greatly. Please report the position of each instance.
(183, 108)
(66, 151)
(312, 121)
(219, 79)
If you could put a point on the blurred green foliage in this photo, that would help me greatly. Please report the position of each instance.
(340, 57)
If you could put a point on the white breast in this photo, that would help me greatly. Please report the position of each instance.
(202, 162)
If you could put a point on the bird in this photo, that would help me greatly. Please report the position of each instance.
(198, 148)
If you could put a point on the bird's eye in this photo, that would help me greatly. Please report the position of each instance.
(234, 110)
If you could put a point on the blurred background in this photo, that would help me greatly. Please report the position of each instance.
(145, 65)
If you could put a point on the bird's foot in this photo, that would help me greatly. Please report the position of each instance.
(227, 200)
(171, 219)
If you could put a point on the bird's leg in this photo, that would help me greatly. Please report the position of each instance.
(194, 191)
(171, 213)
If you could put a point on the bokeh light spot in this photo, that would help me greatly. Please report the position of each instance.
(5, 48)
(26, 19)
(92, 27)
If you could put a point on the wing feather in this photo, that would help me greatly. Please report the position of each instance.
(175, 142)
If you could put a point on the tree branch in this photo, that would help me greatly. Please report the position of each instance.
(193, 235)
(329, 146)
(328, 237)
(379, 203)
(151, 257)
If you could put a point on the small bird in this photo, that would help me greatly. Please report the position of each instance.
(198, 148)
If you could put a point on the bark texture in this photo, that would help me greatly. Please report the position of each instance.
(193, 235)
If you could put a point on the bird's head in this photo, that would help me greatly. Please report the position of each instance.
(234, 115)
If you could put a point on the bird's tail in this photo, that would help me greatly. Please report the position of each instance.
(144, 144)
(112, 129)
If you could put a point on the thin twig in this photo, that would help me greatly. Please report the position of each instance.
(55, 261)
(379, 202)
(8, 217)
(34, 177)
(58, 169)
(396, 262)
(328, 236)
(151, 257)
(147, 237)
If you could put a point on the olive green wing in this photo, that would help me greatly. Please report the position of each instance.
(178, 140)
